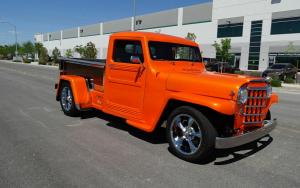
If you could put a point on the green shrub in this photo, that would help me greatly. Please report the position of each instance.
(43, 58)
(90, 51)
(79, 49)
(239, 72)
(275, 82)
(254, 73)
(69, 53)
(289, 80)
(55, 55)
(26, 60)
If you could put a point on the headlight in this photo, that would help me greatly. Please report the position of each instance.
(243, 95)
(269, 90)
(268, 79)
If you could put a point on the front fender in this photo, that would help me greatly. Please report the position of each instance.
(79, 88)
(223, 106)
(274, 99)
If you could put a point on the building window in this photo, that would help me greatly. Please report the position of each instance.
(275, 1)
(255, 43)
(285, 26)
(230, 30)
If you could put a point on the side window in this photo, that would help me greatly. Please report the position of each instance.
(124, 50)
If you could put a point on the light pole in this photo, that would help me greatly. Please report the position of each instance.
(134, 13)
(15, 32)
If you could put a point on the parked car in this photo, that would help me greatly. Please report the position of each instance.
(223, 67)
(282, 70)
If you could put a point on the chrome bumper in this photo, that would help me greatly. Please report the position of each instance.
(230, 142)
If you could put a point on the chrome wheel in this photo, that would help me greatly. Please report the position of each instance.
(66, 98)
(186, 134)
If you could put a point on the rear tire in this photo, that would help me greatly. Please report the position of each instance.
(67, 100)
(190, 135)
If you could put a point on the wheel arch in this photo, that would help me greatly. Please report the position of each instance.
(215, 117)
(79, 89)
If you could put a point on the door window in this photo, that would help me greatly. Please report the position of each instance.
(124, 50)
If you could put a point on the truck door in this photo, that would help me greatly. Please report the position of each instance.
(125, 78)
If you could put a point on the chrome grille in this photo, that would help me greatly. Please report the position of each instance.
(254, 109)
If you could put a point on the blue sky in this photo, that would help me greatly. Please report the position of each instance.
(33, 16)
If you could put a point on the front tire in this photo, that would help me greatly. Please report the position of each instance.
(190, 135)
(67, 100)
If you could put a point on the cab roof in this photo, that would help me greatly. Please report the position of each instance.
(150, 36)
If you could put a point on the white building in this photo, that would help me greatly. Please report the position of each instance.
(263, 32)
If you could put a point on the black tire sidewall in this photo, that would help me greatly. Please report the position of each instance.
(208, 134)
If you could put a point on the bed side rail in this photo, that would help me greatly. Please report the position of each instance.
(98, 63)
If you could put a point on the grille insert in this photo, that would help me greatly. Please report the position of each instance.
(255, 107)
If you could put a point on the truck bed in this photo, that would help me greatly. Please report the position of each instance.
(100, 63)
(89, 69)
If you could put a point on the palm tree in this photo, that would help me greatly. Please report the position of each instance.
(38, 48)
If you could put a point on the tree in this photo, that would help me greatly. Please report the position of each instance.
(28, 49)
(3, 52)
(182, 52)
(79, 49)
(90, 51)
(55, 55)
(69, 53)
(222, 50)
(290, 48)
(191, 36)
(7, 51)
(43, 57)
(38, 48)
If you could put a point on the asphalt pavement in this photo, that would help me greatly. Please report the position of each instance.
(41, 147)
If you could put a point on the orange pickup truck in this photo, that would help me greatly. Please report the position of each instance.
(151, 79)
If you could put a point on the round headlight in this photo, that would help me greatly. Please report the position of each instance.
(269, 90)
(243, 95)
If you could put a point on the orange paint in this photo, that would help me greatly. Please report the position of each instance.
(140, 93)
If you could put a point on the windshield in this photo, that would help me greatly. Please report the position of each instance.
(278, 66)
(164, 51)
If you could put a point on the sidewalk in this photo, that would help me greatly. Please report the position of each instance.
(292, 86)
(288, 89)
(30, 64)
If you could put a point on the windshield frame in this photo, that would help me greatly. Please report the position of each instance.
(195, 48)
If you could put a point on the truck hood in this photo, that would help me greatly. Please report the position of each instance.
(206, 83)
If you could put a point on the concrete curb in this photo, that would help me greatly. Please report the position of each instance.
(294, 86)
(27, 64)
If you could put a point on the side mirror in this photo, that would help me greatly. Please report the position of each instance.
(135, 60)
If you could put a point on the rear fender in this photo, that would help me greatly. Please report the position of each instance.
(79, 88)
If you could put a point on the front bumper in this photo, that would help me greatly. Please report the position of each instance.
(230, 142)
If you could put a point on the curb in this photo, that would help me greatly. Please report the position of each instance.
(294, 86)
(28, 64)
